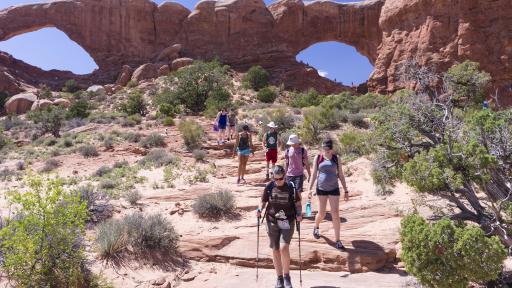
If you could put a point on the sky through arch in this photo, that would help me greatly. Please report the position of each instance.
(50, 48)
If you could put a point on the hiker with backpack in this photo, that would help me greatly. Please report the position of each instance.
(296, 160)
(327, 168)
(284, 208)
(271, 141)
(222, 119)
(243, 147)
(232, 123)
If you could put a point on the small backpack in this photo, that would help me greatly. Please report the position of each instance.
(248, 138)
(288, 158)
(334, 159)
(292, 193)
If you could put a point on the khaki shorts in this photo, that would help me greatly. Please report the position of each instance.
(277, 235)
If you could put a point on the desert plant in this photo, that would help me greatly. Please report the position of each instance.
(190, 132)
(107, 184)
(108, 142)
(349, 139)
(67, 142)
(70, 86)
(101, 171)
(132, 137)
(159, 158)
(152, 140)
(133, 196)
(444, 255)
(132, 84)
(12, 121)
(358, 120)
(256, 78)
(135, 104)
(128, 123)
(20, 165)
(199, 154)
(120, 164)
(50, 118)
(215, 204)
(78, 109)
(266, 95)
(44, 244)
(50, 141)
(168, 121)
(301, 100)
(87, 195)
(134, 118)
(55, 152)
(110, 239)
(88, 151)
(167, 110)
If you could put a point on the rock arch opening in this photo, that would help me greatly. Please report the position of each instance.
(50, 48)
(338, 62)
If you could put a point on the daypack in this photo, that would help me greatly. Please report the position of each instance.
(292, 193)
(288, 158)
(334, 159)
(248, 138)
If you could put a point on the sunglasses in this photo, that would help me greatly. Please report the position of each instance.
(279, 179)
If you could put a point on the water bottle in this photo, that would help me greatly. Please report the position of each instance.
(308, 209)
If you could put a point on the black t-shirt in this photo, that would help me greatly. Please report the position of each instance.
(281, 200)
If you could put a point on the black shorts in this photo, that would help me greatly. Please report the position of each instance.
(335, 192)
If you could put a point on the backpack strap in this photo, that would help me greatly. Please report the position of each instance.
(335, 160)
(270, 190)
(291, 186)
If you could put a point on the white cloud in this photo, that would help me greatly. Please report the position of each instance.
(322, 73)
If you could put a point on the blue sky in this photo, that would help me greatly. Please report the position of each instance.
(50, 48)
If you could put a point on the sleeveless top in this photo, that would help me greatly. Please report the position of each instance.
(223, 119)
(232, 119)
(243, 143)
(271, 140)
(327, 178)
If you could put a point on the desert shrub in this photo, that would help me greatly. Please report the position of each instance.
(135, 104)
(316, 120)
(193, 85)
(43, 244)
(67, 142)
(20, 165)
(88, 151)
(341, 116)
(159, 158)
(6, 172)
(70, 86)
(128, 123)
(101, 171)
(11, 121)
(50, 118)
(152, 140)
(110, 239)
(50, 141)
(132, 137)
(108, 142)
(168, 121)
(266, 95)
(343, 101)
(167, 110)
(219, 98)
(107, 184)
(467, 82)
(55, 152)
(256, 78)
(78, 109)
(199, 154)
(120, 164)
(215, 204)
(381, 190)
(444, 255)
(134, 118)
(371, 101)
(133, 196)
(87, 195)
(190, 132)
(348, 140)
(358, 120)
(132, 84)
(302, 100)
(281, 117)
(4, 97)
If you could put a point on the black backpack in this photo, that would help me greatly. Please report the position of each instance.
(334, 159)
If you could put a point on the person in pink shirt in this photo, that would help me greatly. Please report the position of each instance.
(296, 160)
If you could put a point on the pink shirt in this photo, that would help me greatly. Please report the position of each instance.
(295, 163)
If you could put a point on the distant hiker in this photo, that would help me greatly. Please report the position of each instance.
(222, 118)
(329, 171)
(296, 159)
(485, 105)
(271, 141)
(284, 208)
(232, 123)
(243, 147)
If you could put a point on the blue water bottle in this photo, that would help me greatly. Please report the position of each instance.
(308, 209)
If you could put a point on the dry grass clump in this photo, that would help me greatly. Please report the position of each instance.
(199, 154)
(152, 140)
(133, 196)
(49, 165)
(88, 151)
(142, 233)
(159, 158)
(132, 137)
(214, 205)
(20, 165)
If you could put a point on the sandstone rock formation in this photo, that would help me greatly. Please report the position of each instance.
(40, 104)
(243, 33)
(66, 102)
(125, 76)
(181, 62)
(96, 89)
(20, 103)
(145, 72)
(164, 70)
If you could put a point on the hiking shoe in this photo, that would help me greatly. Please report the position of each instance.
(340, 246)
(316, 232)
(287, 281)
(238, 181)
(280, 282)
(223, 142)
(242, 180)
(267, 178)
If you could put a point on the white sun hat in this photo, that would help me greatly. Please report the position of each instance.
(271, 125)
(293, 140)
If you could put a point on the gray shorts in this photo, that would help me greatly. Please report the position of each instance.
(277, 235)
(298, 181)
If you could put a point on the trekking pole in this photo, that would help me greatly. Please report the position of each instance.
(300, 256)
(258, 248)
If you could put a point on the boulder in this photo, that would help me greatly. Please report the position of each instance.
(117, 88)
(146, 84)
(145, 72)
(167, 53)
(158, 281)
(125, 76)
(164, 70)
(20, 103)
(181, 62)
(59, 101)
(96, 89)
(108, 88)
(40, 104)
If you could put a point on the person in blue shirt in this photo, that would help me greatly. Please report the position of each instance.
(222, 120)
(485, 105)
